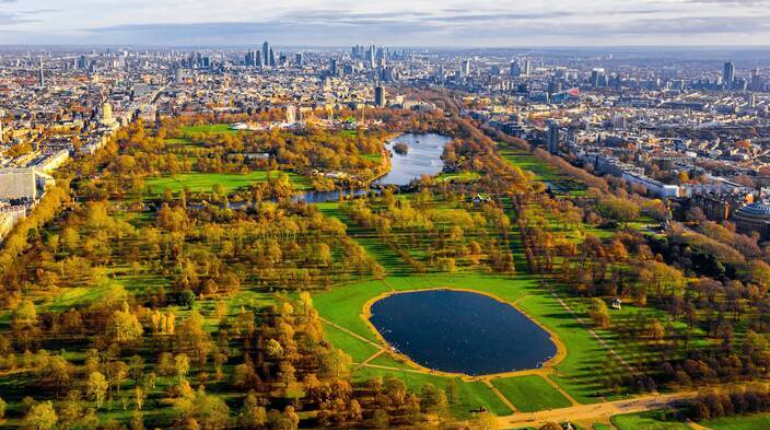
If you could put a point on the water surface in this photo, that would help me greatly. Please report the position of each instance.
(461, 332)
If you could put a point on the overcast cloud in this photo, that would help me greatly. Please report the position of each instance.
(396, 22)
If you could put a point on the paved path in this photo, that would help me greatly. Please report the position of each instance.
(396, 369)
(561, 390)
(355, 335)
(371, 358)
(500, 395)
(596, 412)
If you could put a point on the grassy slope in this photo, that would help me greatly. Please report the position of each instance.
(750, 422)
(530, 393)
(198, 182)
(646, 421)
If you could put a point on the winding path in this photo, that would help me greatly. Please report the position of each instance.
(594, 412)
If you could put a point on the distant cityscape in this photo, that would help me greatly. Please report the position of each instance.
(694, 130)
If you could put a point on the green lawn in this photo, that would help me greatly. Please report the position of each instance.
(209, 128)
(198, 182)
(461, 177)
(747, 422)
(530, 393)
(376, 157)
(646, 421)
(544, 172)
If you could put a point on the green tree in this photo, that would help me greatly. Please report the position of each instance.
(42, 416)
(599, 313)
(97, 388)
(181, 366)
(124, 325)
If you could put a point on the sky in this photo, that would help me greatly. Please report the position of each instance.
(416, 23)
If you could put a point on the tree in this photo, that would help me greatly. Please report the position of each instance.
(3, 407)
(550, 426)
(97, 388)
(124, 325)
(25, 315)
(599, 313)
(657, 330)
(181, 365)
(484, 421)
(42, 416)
(432, 399)
(274, 350)
(335, 363)
(187, 298)
(137, 421)
(252, 415)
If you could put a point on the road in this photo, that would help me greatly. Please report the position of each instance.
(594, 412)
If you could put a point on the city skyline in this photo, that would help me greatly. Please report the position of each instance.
(419, 23)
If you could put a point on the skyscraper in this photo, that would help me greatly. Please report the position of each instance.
(527, 67)
(299, 60)
(515, 69)
(553, 137)
(728, 75)
(756, 81)
(465, 68)
(41, 78)
(596, 77)
(379, 96)
(333, 67)
(371, 56)
(272, 57)
(266, 53)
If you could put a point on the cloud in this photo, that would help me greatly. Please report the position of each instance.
(12, 19)
(396, 23)
(732, 2)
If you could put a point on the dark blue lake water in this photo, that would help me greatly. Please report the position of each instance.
(461, 332)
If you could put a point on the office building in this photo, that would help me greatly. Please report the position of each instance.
(333, 67)
(515, 69)
(465, 68)
(266, 53)
(527, 67)
(728, 76)
(379, 96)
(553, 137)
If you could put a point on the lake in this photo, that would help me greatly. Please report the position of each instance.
(461, 332)
(423, 158)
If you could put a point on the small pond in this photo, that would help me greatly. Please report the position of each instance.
(461, 332)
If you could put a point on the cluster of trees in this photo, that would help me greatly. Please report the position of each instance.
(711, 404)
(434, 234)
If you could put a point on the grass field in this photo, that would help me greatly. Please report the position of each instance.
(544, 172)
(198, 182)
(646, 421)
(461, 177)
(530, 393)
(211, 128)
(748, 422)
